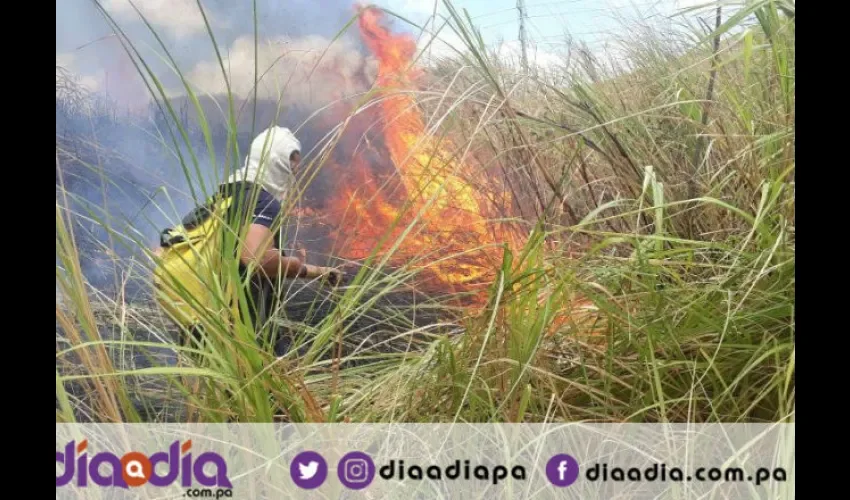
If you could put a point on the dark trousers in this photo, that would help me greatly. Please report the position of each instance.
(261, 307)
(263, 303)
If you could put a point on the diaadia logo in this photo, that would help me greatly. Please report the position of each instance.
(135, 469)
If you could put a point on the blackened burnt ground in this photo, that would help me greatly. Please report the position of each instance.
(401, 320)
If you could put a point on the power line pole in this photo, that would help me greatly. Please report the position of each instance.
(520, 5)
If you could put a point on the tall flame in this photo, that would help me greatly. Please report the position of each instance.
(443, 216)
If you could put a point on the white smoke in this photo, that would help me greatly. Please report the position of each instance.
(182, 18)
(307, 72)
(66, 67)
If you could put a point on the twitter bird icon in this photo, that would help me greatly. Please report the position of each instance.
(308, 470)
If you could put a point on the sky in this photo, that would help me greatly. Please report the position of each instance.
(547, 21)
(85, 46)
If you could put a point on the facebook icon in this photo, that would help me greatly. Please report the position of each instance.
(562, 470)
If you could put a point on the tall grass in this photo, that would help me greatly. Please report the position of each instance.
(656, 282)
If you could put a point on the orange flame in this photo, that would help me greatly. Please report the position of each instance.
(443, 216)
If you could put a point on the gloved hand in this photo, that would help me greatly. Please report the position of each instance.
(329, 274)
(332, 275)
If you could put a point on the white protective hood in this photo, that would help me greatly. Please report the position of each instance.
(273, 147)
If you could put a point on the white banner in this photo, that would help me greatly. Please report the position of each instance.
(412, 461)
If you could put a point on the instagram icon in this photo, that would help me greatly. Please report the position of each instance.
(356, 470)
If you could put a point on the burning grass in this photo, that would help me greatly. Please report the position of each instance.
(592, 246)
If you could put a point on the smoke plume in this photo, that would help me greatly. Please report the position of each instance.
(122, 161)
